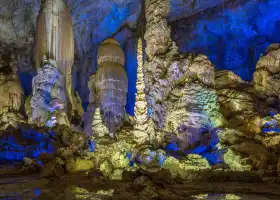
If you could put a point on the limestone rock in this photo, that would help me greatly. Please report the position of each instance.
(78, 165)
(98, 127)
(236, 161)
(226, 79)
(142, 182)
(143, 127)
(48, 81)
(187, 169)
(203, 70)
(180, 88)
(106, 168)
(89, 114)
(266, 77)
(11, 92)
(270, 142)
(232, 136)
(256, 152)
(111, 84)
(119, 161)
(149, 192)
(157, 33)
(117, 174)
(237, 103)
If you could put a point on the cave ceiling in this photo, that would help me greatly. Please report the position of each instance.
(93, 20)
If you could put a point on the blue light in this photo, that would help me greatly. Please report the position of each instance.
(11, 151)
(200, 149)
(172, 147)
(91, 145)
(232, 37)
(37, 192)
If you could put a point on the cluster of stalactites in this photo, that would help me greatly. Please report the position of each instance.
(54, 34)
(11, 92)
(111, 84)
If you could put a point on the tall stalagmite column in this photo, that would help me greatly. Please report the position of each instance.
(140, 108)
(54, 59)
(144, 127)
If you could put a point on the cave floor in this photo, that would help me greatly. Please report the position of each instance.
(83, 186)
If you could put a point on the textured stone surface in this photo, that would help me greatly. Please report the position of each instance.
(237, 102)
(266, 77)
(49, 96)
(12, 94)
(233, 34)
(98, 127)
(187, 169)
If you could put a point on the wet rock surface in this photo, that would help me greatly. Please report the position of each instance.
(82, 186)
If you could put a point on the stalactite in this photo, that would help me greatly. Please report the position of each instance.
(11, 92)
(111, 84)
(55, 44)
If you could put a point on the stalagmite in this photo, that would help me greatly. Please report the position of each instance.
(99, 129)
(89, 114)
(54, 59)
(111, 84)
(143, 127)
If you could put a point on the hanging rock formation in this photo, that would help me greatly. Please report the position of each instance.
(181, 95)
(11, 92)
(54, 42)
(111, 84)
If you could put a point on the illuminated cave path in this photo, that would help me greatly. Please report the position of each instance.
(33, 187)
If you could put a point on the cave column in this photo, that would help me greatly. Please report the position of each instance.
(180, 88)
(158, 33)
(158, 42)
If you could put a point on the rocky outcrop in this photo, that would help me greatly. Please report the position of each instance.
(237, 102)
(188, 168)
(267, 75)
